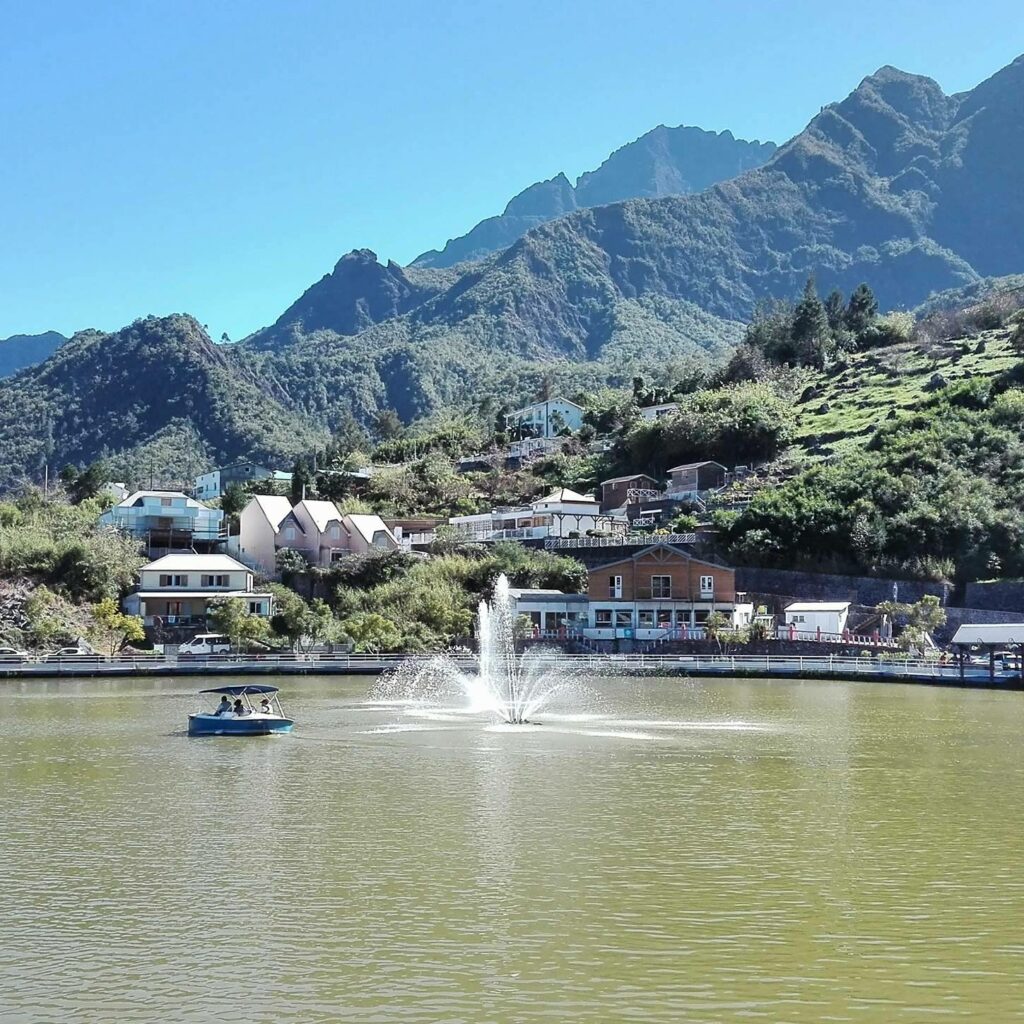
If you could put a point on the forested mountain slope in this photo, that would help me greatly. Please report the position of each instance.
(157, 395)
(878, 187)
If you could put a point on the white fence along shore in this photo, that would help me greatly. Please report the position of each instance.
(761, 665)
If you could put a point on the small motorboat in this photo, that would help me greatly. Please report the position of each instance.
(241, 718)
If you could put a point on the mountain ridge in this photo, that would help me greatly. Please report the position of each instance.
(662, 161)
(23, 350)
(888, 185)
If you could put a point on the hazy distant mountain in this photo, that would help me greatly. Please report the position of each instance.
(23, 350)
(898, 185)
(664, 162)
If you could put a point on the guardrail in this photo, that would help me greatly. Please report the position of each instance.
(287, 663)
(623, 540)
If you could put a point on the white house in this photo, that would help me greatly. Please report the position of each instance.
(560, 513)
(657, 412)
(213, 484)
(546, 419)
(811, 616)
(179, 589)
(167, 519)
(265, 525)
(315, 529)
(115, 490)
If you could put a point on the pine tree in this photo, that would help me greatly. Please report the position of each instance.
(835, 308)
(861, 310)
(812, 338)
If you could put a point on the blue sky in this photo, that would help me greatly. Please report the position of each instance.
(217, 157)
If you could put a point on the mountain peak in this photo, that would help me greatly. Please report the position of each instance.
(664, 161)
(544, 200)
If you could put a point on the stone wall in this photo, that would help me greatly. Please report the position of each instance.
(786, 585)
(997, 595)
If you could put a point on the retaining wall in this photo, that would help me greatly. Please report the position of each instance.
(996, 595)
(791, 585)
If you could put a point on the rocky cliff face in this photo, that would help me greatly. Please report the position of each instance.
(664, 162)
(358, 293)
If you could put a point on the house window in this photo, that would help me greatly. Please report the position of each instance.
(707, 586)
(255, 607)
(334, 531)
(797, 619)
(165, 502)
(615, 586)
(682, 618)
(645, 618)
(665, 616)
(603, 618)
(623, 619)
(215, 580)
(289, 533)
(661, 586)
(168, 580)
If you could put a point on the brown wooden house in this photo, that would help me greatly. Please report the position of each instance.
(615, 491)
(660, 589)
(696, 477)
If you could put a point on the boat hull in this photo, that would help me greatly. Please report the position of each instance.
(250, 725)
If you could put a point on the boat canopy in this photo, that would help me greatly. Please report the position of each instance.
(238, 691)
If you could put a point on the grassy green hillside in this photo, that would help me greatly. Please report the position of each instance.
(844, 407)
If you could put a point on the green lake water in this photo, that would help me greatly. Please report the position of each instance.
(676, 851)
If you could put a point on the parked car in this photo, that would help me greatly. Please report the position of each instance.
(205, 643)
(71, 654)
(11, 655)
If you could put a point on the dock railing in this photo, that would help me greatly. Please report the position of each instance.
(288, 663)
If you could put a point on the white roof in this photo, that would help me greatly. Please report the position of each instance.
(274, 507)
(188, 561)
(546, 401)
(368, 525)
(564, 494)
(819, 606)
(991, 633)
(135, 495)
(321, 512)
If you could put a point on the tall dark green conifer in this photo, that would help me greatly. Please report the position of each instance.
(812, 338)
(861, 310)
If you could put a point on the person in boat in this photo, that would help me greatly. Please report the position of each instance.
(265, 707)
(224, 706)
(239, 708)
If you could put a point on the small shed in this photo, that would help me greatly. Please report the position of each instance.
(815, 616)
(990, 639)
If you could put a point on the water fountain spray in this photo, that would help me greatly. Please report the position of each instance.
(512, 686)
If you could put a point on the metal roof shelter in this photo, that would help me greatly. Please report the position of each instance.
(991, 637)
(1001, 634)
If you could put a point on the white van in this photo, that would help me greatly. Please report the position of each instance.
(206, 643)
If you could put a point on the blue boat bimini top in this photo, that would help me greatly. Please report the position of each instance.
(237, 691)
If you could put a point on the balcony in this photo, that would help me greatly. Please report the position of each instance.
(621, 540)
(203, 529)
